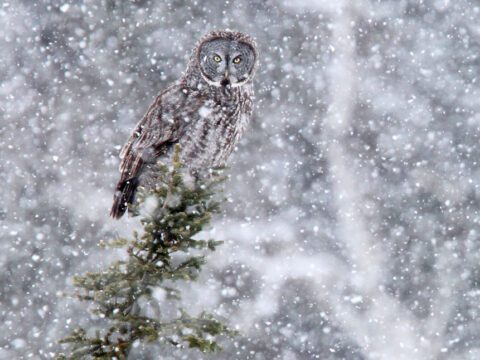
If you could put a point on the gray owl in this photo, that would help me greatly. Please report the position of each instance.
(206, 112)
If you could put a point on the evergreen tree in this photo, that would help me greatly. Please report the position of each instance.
(179, 212)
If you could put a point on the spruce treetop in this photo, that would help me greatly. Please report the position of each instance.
(166, 252)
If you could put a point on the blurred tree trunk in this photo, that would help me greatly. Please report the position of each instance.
(380, 324)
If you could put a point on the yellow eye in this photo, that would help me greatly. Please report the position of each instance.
(217, 58)
(237, 60)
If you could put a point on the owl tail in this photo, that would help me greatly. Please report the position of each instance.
(124, 195)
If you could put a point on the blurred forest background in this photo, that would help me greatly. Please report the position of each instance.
(352, 230)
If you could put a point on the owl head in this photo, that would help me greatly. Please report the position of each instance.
(227, 59)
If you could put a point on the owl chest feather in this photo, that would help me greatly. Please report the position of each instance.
(214, 129)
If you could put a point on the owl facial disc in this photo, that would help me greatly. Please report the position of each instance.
(226, 63)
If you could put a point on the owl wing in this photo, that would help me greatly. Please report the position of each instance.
(158, 129)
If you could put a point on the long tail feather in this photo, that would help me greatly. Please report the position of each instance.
(124, 195)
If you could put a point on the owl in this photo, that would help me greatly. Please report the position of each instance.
(206, 112)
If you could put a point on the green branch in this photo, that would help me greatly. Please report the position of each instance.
(115, 294)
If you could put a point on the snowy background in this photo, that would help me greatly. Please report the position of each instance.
(353, 231)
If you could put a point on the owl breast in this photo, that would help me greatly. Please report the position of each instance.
(215, 130)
